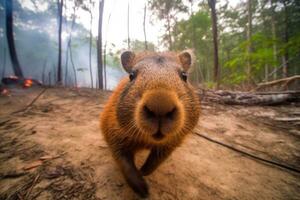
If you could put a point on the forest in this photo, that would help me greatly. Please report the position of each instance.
(236, 44)
(149, 99)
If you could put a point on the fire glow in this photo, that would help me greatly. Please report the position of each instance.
(27, 83)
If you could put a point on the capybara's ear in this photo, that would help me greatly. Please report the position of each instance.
(186, 58)
(127, 58)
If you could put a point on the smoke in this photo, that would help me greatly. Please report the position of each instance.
(36, 40)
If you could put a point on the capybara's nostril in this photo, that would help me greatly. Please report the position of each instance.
(171, 115)
(148, 113)
(159, 113)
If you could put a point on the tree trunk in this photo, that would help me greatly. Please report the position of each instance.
(286, 40)
(273, 24)
(104, 67)
(70, 46)
(104, 53)
(265, 31)
(249, 98)
(128, 37)
(73, 66)
(266, 72)
(4, 62)
(59, 68)
(249, 35)
(90, 49)
(99, 46)
(10, 39)
(169, 32)
(144, 25)
(43, 73)
(67, 63)
(212, 4)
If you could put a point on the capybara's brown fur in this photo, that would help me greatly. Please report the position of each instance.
(154, 108)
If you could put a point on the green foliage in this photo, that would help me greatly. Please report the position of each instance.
(195, 33)
(138, 46)
(275, 34)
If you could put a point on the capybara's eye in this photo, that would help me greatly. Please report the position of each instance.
(132, 75)
(184, 76)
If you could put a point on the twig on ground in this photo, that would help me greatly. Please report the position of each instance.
(31, 103)
(281, 166)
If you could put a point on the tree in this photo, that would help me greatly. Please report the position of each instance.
(274, 37)
(128, 36)
(89, 9)
(212, 5)
(249, 35)
(144, 27)
(167, 10)
(4, 62)
(192, 33)
(59, 68)
(69, 44)
(99, 46)
(285, 57)
(139, 46)
(10, 39)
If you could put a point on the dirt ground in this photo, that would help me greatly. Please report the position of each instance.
(54, 150)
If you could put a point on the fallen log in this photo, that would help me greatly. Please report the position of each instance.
(249, 98)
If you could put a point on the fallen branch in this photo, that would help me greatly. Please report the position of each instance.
(284, 82)
(249, 98)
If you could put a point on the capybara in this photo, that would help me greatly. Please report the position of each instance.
(154, 108)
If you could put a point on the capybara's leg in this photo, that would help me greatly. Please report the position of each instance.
(132, 174)
(155, 158)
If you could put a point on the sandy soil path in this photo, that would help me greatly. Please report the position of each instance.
(54, 150)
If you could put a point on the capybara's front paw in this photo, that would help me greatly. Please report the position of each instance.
(139, 185)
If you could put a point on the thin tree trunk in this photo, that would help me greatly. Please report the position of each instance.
(67, 63)
(70, 46)
(43, 73)
(265, 27)
(144, 25)
(4, 62)
(59, 68)
(273, 24)
(90, 50)
(104, 67)
(49, 78)
(104, 56)
(212, 4)
(99, 46)
(128, 37)
(169, 33)
(193, 26)
(266, 72)
(249, 35)
(194, 45)
(73, 66)
(286, 40)
(10, 39)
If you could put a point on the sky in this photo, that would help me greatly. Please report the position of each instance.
(115, 32)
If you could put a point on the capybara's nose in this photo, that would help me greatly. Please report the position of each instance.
(160, 106)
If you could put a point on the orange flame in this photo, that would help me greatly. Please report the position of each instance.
(28, 83)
